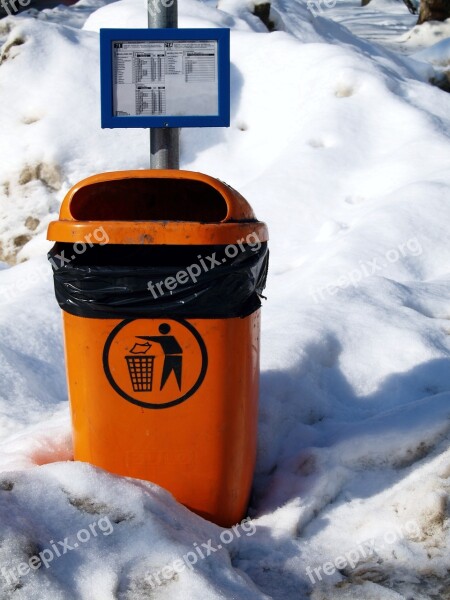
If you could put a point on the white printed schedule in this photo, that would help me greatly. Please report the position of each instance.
(158, 78)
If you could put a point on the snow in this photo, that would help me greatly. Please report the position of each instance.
(438, 54)
(427, 34)
(342, 146)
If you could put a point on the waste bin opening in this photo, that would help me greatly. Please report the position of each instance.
(140, 199)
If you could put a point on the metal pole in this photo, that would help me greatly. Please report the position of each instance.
(164, 142)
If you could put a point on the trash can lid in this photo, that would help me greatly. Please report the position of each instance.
(155, 207)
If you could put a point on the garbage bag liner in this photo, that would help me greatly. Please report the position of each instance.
(116, 281)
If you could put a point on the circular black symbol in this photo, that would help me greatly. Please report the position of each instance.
(155, 363)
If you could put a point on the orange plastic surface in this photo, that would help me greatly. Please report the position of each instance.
(117, 202)
(202, 448)
(171, 401)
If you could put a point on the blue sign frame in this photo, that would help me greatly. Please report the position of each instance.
(109, 120)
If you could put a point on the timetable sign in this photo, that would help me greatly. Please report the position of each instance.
(165, 77)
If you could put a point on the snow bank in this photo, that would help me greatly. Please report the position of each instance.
(90, 535)
(426, 34)
(343, 149)
(437, 54)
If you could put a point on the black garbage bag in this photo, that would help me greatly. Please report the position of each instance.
(117, 281)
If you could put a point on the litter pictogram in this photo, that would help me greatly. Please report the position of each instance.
(155, 363)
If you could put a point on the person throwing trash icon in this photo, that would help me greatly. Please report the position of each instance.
(173, 359)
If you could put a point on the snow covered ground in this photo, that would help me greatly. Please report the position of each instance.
(343, 148)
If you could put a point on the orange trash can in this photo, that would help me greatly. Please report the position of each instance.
(159, 275)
